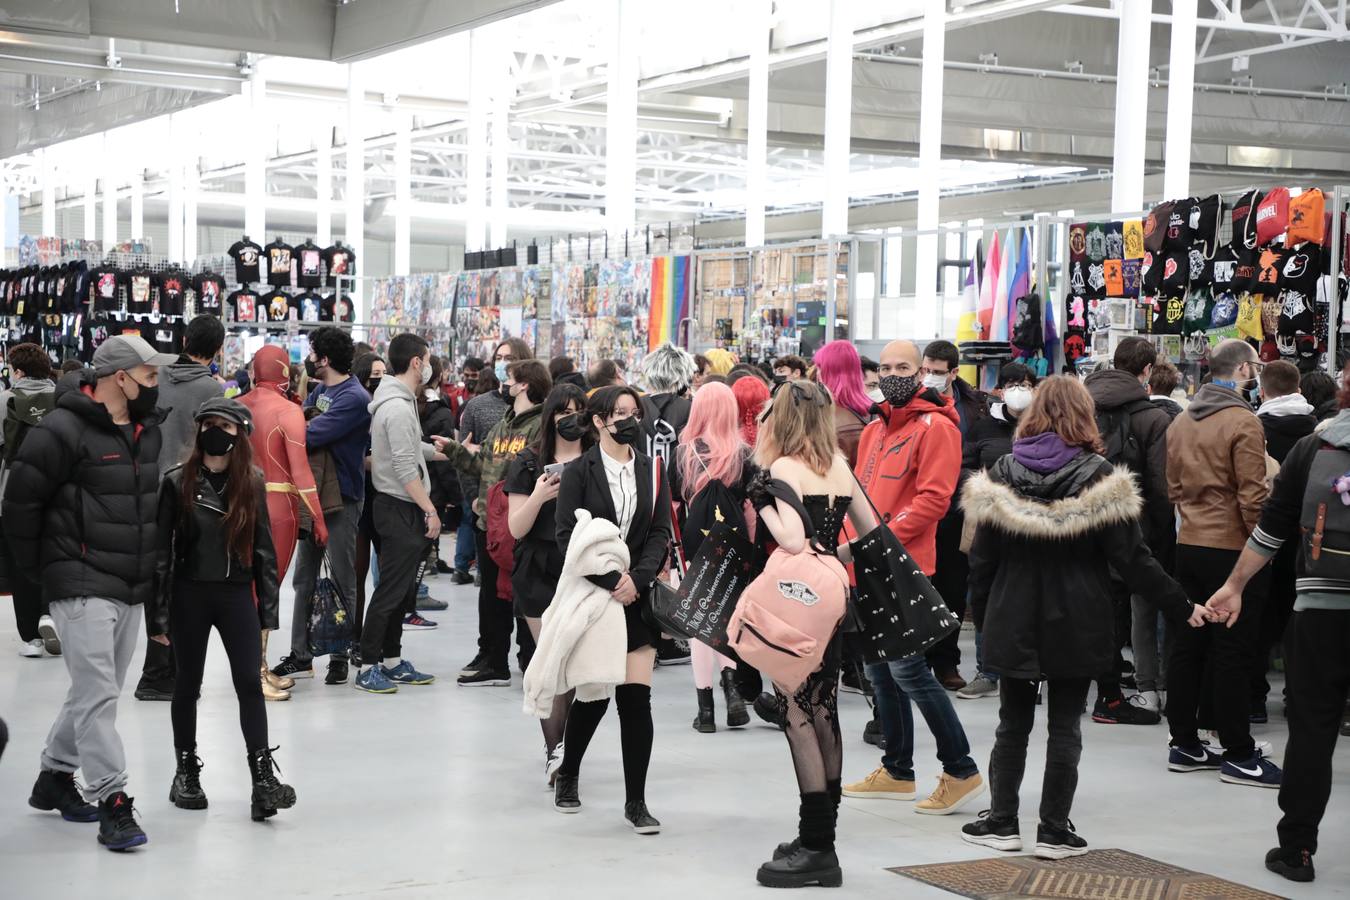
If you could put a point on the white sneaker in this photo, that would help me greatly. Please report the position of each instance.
(1263, 748)
(1146, 700)
(31, 649)
(552, 763)
(50, 642)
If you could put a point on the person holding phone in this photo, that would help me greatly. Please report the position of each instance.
(616, 482)
(532, 482)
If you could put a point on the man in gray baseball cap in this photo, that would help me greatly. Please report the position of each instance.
(79, 512)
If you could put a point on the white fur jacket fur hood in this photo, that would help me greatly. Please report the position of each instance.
(584, 640)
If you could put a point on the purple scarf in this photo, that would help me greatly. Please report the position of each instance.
(1044, 453)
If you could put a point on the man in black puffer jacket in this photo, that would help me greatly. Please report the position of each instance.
(79, 512)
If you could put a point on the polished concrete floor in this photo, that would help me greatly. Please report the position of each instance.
(439, 792)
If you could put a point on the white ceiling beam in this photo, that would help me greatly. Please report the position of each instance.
(1336, 32)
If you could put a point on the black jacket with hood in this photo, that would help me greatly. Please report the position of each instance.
(1112, 390)
(80, 505)
(1044, 552)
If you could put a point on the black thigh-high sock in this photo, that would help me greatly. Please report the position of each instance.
(582, 721)
(635, 734)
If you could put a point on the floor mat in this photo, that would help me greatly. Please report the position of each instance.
(1097, 875)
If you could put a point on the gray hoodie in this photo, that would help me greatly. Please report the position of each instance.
(397, 453)
(183, 387)
(27, 386)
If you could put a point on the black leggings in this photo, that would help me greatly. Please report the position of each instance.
(196, 608)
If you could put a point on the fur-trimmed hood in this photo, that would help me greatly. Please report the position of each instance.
(1109, 500)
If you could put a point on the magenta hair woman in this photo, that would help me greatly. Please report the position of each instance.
(839, 368)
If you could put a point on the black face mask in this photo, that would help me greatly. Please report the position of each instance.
(143, 404)
(899, 390)
(571, 428)
(779, 379)
(311, 369)
(216, 441)
(470, 384)
(373, 384)
(505, 393)
(627, 431)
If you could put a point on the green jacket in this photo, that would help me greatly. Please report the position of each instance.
(512, 434)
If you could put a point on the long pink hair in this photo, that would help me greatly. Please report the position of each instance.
(839, 369)
(751, 395)
(713, 447)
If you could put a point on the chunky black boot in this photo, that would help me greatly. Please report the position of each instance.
(186, 791)
(737, 714)
(811, 858)
(269, 794)
(706, 722)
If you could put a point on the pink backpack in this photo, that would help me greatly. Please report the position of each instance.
(787, 616)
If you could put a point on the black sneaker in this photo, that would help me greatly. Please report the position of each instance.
(1296, 865)
(443, 567)
(1258, 715)
(642, 821)
(485, 678)
(117, 828)
(766, 707)
(996, 834)
(873, 735)
(672, 652)
(1118, 712)
(290, 667)
(337, 671)
(158, 689)
(1058, 843)
(474, 664)
(566, 799)
(58, 791)
(459, 576)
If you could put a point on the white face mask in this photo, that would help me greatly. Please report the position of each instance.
(876, 395)
(935, 382)
(426, 373)
(1017, 398)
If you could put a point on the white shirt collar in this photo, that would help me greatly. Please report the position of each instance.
(613, 465)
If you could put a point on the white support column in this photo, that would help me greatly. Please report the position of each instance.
(355, 200)
(481, 52)
(402, 195)
(137, 205)
(1127, 185)
(502, 96)
(930, 155)
(109, 195)
(255, 163)
(758, 20)
(175, 248)
(48, 192)
(323, 221)
(92, 146)
(1180, 100)
(838, 117)
(191, 187)
(621, 119)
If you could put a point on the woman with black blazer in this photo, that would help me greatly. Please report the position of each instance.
(616, 482)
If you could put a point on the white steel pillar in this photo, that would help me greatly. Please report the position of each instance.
(137, 205)
(109, 195)
(501, 141)
(323, 222)
(91, 146)
(1180, 100)
(355, 199)
(48, 192)
(191, 186)
(621, 119)
(255, 163)
(838, 117)
(1127, 185)
(481, 53)
(758, 21)
(930, 152)
(402, 195)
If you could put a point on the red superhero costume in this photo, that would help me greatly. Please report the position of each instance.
(279, 450)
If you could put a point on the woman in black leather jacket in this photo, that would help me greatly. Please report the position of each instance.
(215, 556)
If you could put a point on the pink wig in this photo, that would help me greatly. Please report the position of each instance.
(713, 447)
(839, 369)
(751, 395)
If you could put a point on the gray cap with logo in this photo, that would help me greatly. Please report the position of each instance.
(127, 351)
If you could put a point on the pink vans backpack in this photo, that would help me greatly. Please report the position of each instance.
(787, 616)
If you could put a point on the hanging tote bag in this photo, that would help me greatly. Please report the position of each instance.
(899, 611)
(330, 620)
(787, 616)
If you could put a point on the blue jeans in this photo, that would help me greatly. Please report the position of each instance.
(464, 538)
(894, 685)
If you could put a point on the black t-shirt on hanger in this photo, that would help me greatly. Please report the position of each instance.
(210, 289)
(245, 255)
(103, 289)
(309, 305)
(309, 265)
(244, 306)
(278, 305)
(278, 256)
(340, 261)
(139, 283)
(173, 287)
(336, 309)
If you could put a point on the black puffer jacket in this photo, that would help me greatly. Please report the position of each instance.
(80, 505)
(194, 550)
(1045, 547)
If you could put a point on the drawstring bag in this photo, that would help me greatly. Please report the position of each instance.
(330, 620)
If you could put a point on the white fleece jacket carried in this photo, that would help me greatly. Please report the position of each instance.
(583, 643)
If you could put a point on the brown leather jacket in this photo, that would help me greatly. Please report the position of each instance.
(848, 428)
(1216, 469)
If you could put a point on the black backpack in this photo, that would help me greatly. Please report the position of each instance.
(713, 505)
(1122, 445)
(22, 413)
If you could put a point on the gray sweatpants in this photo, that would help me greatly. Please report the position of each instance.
(308, 561)
(99, 637)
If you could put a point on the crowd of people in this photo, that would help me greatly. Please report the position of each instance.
(1070, 519)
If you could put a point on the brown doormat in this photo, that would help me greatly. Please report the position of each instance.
(1097, 875)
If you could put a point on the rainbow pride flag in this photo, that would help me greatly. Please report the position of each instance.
(669, 300)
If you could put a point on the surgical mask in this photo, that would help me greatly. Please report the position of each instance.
(571, 428)
(935, 382)
(426, 374)
(876, 396)
(779, 379)
(143, 404)
(627, 431)
(1017, 398)
(899, 390)
(500, 370)
(373, 384)
(216, 441)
